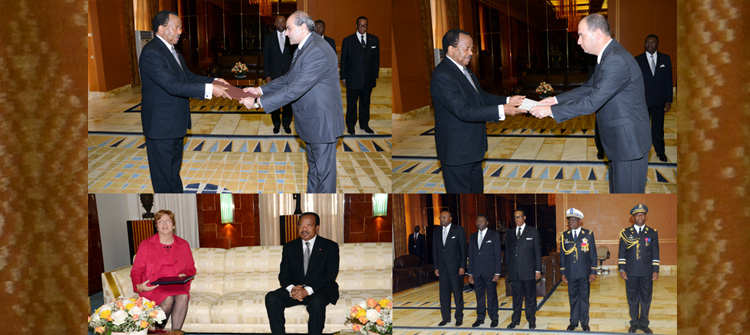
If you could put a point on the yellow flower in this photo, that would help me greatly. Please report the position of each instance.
(384, 303)
(361, 313)
(129, 305)
(105, 314)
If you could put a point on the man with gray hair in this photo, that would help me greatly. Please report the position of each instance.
(616, 94)
(312, 87)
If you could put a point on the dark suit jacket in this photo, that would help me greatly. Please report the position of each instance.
(617, 88)
(321, 271)
(485, 262)
(331, 41)
(640, 260)
(165, 92)
(360, 66)
(450, 257)
(312, 86)
(416, 247)
(276, 63)
(582, 262)
(523, 256)
(460, 115)
(659, 85)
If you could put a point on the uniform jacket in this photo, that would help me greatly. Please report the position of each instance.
(450, 257)
(485, 261)
(659, 85)
(322, 269)
(639, 253)
(523, 256)
(581, 262)
(360, 67)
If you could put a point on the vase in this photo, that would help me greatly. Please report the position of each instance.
(140, 332)
(240, 75)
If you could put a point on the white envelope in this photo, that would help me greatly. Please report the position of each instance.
(452, 237)
(529, 238)
(490, 241)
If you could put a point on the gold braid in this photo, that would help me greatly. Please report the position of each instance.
(630, 243)
(560, 239)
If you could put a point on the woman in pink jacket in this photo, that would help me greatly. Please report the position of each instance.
(164, 255)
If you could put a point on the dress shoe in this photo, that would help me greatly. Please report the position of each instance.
(599, 155)
(512, 325)
(632, 329)
(477, 323)
(532, 325)
(663, 157)
(367, 129)
(287, 129)
(459, 323)
(646, 330)
(350, 131)
(493, 324)
(571, 327)
(443, 323)
(586, 328)
(276, 129)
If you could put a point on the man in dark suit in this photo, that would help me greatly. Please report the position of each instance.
(277, 56)
(417, 244)
(638, 262)
(523, 259)
(320, 28)
(657, 78)
(578, 267)
(616, 94)
(309, 266)
(167, 85)
(462, 109)
(312, 86)
(449, 255)
(485, 269)
(360, 68)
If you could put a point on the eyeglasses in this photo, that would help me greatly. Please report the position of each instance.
(164, 221)
(518, 217)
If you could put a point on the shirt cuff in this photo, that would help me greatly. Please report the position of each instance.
(309, 290)
(501, 112)
(209, 91)
(507, 100)
(289, 288)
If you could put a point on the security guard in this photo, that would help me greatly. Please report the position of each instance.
(578, 267)
(639, 266)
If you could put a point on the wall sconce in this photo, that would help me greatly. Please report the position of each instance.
(379, 204)
(227, 208)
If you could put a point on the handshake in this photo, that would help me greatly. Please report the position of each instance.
(519, 104)
(246, 96)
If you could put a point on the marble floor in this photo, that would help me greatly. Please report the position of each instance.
(233, 149)
(416, 311)
(527, 155)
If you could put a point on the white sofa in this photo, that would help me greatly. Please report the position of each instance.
(228, 292)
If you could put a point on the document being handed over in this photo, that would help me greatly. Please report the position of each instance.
(527, 104)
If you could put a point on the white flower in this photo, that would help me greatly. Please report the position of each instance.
(160, 316)
(119, 317)
(372, 315)
(135, 311)
(95, 317)
(363, 304)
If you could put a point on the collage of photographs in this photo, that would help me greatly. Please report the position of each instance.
(398, 167)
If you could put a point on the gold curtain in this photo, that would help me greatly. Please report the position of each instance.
(130, 38)
(440, 24)
(400, 242)
(142, 14)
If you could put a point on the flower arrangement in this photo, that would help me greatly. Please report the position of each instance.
(372, 316)
(126, 315)
(240, 69)
(544, 89)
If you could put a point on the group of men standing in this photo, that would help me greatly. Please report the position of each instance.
(302, 82)
(638, 265)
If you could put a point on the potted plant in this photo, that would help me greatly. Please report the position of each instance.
(544, 89)
(130, 316)
(372, 317)
(240, 70)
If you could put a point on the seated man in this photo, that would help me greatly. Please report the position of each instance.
(309, 266)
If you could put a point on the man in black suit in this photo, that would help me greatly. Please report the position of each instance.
(417, 244)
(167, 85)
(657, 78)
(277, 57)
(638, 262)
(360, 67)
(449, 255)
(462, 109)
(320, 28)
(312, 86)
(309, 266)
(578, 267)
(616, 94)
(485, 269)
(523, 259)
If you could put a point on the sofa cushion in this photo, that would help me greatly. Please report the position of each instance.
(370, 279)
(365, 256)
(253, 259)
(199, 307)
(209, 260)
(256, 281)
(208, 283)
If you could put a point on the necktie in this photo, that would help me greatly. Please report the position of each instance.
(575, 235)
(174, 53)
(652, 63)
(480, 239)
(296, 52)
(445, 234)
(363, 41)
(307, 256)
(518, 234)
(468, 76)
(281, 42)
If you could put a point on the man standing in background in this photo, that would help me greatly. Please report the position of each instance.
(485, 269)
(277, 57)
(320, 28)
(417, 244)
(578, 267)
(657, 77)
(449, 255)
(523, 258)
(360, 66)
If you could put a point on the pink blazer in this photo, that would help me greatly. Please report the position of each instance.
(146, 266)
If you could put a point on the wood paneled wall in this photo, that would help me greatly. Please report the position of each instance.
(359, 224)
(245, 231)
(108, 45)
(411, 79)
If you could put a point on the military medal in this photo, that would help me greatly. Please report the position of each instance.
(585, 245)
(647, 240)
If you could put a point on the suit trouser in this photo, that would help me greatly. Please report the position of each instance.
(282, 116)
(578, 296)
(481, 285)
(467, 178)
(638, 290)
(597, 138)
(321, 172)
(628, 176)
(523, 291)
(451, 283)
(363, 95)
(277, 301)
(657, 128)
(164, 162)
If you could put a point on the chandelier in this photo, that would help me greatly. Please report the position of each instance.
(264, 6)
(567, 9)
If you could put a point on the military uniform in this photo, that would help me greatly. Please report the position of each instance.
(577, 263)
(639, 258)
